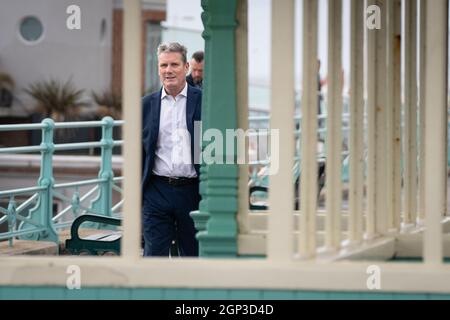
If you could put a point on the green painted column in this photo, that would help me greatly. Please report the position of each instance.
(219, 184)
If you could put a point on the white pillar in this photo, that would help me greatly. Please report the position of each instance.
(242, 110)
(281, 189)
(334, 127)
(435, 127)
(393, 114)
(377, 128)
(422, 52)
(308, 182)
(356, 135)
(131, 239)
(410, 140)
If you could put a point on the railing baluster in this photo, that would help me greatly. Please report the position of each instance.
(422, 136)
(132, 130)
(435, 128)
(47, 179)
(393, 114)
(243, 112)
(281, 195)
(308, 181)
(356, 122)
(376, 113)
(11, 218)
(334, 128)
(410, 141)
(43, 212)
(103, 202)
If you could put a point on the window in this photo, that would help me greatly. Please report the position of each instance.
(153, 38)
(31, 29)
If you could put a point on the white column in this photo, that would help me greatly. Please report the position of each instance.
(334, 127)
(393, 114)
(356, 121)
(422, 52)
(376, 124)
(131, 239)
(242, 110)
(435, 127)
(410, 140)
(308, 182)
(281, 189)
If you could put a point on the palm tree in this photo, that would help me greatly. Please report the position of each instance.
(6, 89)
(109, 104)
(57, 100)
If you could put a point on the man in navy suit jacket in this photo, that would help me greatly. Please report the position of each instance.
(170, 178)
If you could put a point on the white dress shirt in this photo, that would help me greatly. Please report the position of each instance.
(173, 147)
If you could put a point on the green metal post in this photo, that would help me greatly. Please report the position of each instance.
(103, 202)
(219, 185)
(42, 213)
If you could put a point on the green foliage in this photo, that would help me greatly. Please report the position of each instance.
(109, 104)
(6, 90)
(6, 81)
(57, 100)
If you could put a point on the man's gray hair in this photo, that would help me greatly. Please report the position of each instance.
(173, 47)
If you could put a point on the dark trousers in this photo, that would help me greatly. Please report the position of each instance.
(165, 217)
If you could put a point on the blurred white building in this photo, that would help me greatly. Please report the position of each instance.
(36, 45)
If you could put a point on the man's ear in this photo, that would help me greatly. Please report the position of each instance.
(186, 67)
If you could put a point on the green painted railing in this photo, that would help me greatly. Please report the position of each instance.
(33, 219)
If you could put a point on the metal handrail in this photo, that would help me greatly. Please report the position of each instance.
(40, 224)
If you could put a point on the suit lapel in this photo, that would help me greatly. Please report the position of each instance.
(156, 113)
(190, 109)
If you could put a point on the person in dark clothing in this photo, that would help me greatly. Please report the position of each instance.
(195, 78)
(170, 176)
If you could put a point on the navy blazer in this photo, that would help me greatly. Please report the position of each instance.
(151, 111)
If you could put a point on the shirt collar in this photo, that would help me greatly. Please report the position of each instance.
(182, 93)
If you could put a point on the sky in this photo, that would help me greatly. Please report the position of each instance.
(259, 21)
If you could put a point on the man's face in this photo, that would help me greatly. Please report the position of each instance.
(197, 71)
(172, 71)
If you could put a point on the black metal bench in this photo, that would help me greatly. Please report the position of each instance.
(264, 189)
(103, 243)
